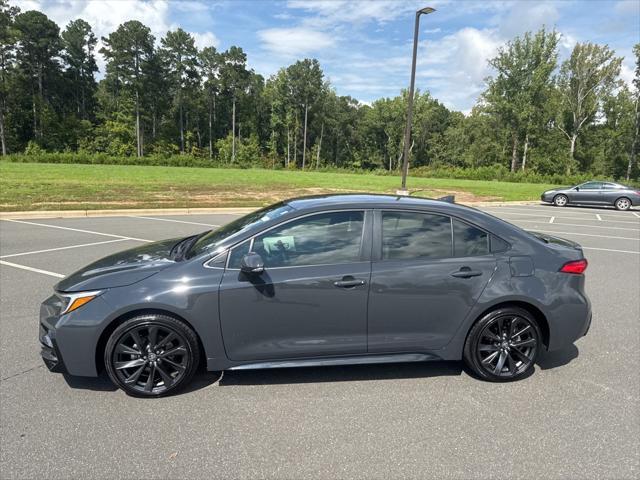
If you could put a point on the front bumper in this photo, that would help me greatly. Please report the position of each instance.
(69, 342)
(49, 351)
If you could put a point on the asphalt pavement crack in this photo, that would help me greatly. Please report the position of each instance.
(21, 373)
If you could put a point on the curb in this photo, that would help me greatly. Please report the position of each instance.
(126, 212)
(123, 212)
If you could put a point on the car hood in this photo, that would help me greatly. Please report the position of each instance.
(121, 269)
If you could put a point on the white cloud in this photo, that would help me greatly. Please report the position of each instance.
(354, 11)
(628, 7)
(105, 16)
(627, 74)
(292, 42)
(206, 39)
(456, 65)
(527, 17)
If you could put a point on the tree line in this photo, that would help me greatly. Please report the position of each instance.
(167, 97)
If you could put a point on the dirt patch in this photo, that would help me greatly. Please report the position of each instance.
(178, 196)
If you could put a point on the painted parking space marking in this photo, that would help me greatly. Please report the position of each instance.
(598, 217)
(550, 220)
(64, 248)
(519, 220)
(78, 230)
(588, 235)
(175, 221)
(546, 211)
(611, 250)
(588, 218)
(31, 269)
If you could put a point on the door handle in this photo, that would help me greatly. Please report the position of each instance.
(349, 282)
(466, 272)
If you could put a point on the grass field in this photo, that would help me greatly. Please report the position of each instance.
(25, 186)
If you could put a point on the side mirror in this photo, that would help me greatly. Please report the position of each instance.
(577, 189)
(252, 264)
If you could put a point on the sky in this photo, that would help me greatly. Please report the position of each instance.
(364, 46)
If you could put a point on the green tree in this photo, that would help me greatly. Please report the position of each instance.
(306, 80)
(181, 58)
(210, 64)
(633, 152)
(522, 86)
(584, 80)
(234, 78)
(8, 38)
(37, 55)
(128, 51)
(79, 44)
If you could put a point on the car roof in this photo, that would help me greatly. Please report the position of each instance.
(368, 200)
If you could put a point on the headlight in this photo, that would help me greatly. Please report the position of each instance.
(76, 300)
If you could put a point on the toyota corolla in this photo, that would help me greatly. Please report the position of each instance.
(325, 280)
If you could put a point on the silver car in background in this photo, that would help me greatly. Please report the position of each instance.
(619, 196)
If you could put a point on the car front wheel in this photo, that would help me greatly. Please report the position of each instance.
(623, 204)
(560, 200)
(151, 355)
(503, 345)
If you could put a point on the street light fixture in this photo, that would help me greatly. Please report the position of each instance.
(407, 132)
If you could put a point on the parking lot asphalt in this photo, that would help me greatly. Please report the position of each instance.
(577, 416)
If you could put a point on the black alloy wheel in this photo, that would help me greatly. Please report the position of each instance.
(503, 345)
(151, 355)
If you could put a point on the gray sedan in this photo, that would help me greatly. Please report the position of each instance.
(326, 280)
(594, 193)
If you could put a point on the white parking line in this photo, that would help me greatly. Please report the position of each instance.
(31, 269)
(77, 230)
(550, 220)
(598, 217)
(611, 250)
(562, 211)
(587, 235)
(64, 248)
(519, 220)
(176, 221)
(503, 214)
(636, 214)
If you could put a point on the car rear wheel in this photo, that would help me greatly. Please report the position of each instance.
(503, 345)
(560, 200)
(151, 355)
(623, 203)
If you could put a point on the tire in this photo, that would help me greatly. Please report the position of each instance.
(142, 371)
(560, 200)
(622, 203)
(503, 345)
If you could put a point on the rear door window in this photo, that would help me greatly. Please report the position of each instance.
(469, 241)
(408, 235)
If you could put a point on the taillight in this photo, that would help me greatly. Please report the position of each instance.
(576, 266)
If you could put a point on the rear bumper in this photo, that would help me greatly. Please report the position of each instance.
(572, 323)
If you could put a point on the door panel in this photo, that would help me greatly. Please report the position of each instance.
(429, 271)
(418, 305)
(311, 299)
(590, 192)
(294, 312)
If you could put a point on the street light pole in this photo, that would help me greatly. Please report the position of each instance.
(407, 132)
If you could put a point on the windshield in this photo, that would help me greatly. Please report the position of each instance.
(215, 237)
